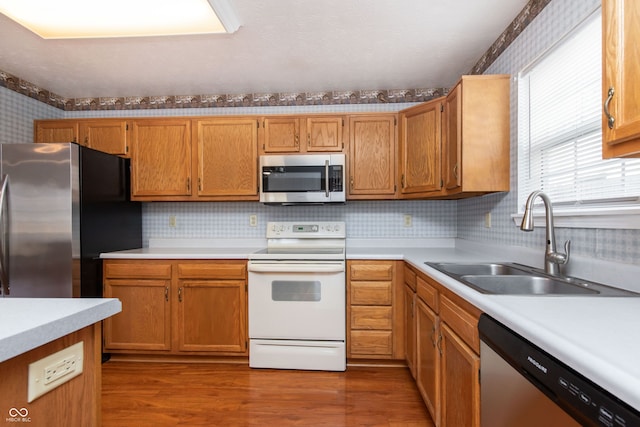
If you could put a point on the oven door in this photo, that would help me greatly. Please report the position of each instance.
(297, 300)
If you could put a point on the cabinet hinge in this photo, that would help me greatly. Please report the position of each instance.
(442, 108)
(395, 188)
(126, 149)
(258, 124)
(342, 122)
(395, 121)
(126, 126)
(441, 183)
(343, 145)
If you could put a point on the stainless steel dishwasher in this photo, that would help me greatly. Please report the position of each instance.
(522, 385)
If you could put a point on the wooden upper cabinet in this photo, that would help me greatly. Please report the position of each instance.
(109, 136)
(372, 157)
(280, 135)
(227, 158)
(476, 139)
(620, 70)
(55, 131)
(325, 134)
(420, 150)
(161, 159)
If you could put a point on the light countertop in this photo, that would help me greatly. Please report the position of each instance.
(27, 323)
(597, 336)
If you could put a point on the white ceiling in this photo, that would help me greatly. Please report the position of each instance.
(281, 46)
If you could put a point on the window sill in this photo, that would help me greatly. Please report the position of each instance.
(616, 218)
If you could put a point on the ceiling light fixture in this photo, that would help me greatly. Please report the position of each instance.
(69, 19)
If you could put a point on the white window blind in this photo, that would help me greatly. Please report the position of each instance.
(559, 128)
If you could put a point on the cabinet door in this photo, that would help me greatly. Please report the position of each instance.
(460, 404)
(109, 136)
(55, 131)
(281, 135)
(621, 68)
(420, 145)
(452, 139)
(410, 328)
(228, 158)
(372, 149)
(428, 358)
(211, 316)
(324, 133)
(145, 320)
(161, 158)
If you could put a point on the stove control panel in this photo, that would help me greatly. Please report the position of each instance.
(306, 230)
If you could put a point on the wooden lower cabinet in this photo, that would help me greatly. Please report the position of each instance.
(375, 326)
(428, 358)
(460, 403)
(447, 361)
(177, 307)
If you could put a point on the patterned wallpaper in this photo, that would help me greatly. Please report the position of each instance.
(464, 219)
(553, 22)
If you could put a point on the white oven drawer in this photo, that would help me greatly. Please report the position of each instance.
(297, 305)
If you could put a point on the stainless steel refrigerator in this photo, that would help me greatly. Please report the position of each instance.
(62, 205)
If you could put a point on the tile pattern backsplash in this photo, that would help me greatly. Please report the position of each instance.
(366, 219)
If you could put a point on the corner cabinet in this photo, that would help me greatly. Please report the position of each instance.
(45, 131)
(375, 325)
(621, 105)
(420, 141)
(475, 136)
(170, 307)
(447, 361)
(372, 157)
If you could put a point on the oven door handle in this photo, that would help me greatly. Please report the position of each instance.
(296, 268)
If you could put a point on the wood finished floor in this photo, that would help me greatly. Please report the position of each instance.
(177, 394)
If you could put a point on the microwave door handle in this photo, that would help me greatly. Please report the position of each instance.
(326, 178)
(4, 230)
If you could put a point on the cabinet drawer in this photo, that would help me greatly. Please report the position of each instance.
(212, 270)
(371, 317)
(378, 343)
(135, 270)
(427, 293)
(377, 271)
(461, 322)
(410, 278)
(371, 293)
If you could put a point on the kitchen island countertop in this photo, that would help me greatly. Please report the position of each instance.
(27, 323)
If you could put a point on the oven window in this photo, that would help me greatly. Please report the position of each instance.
(299, 290)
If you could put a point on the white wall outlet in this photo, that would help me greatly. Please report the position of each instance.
(172, 221)
(487, 220)
(54, 370)
(253, 220)
(408, 221)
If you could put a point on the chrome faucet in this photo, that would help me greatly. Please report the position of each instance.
(552, 259)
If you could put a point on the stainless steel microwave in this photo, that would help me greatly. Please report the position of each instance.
(302, 178)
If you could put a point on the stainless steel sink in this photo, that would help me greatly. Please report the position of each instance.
(526, 285)
(518, 279)
(488, 269)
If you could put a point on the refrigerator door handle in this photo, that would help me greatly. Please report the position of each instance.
(4, 230)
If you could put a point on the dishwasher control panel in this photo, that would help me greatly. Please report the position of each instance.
(585, 401)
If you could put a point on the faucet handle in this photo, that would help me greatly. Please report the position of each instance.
(564, 258)
(560, 258)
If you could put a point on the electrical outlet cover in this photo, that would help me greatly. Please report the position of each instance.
(54, 370)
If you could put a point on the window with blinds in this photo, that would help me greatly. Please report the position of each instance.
(559, 128)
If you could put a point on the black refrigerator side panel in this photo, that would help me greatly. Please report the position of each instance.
(109, 221)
